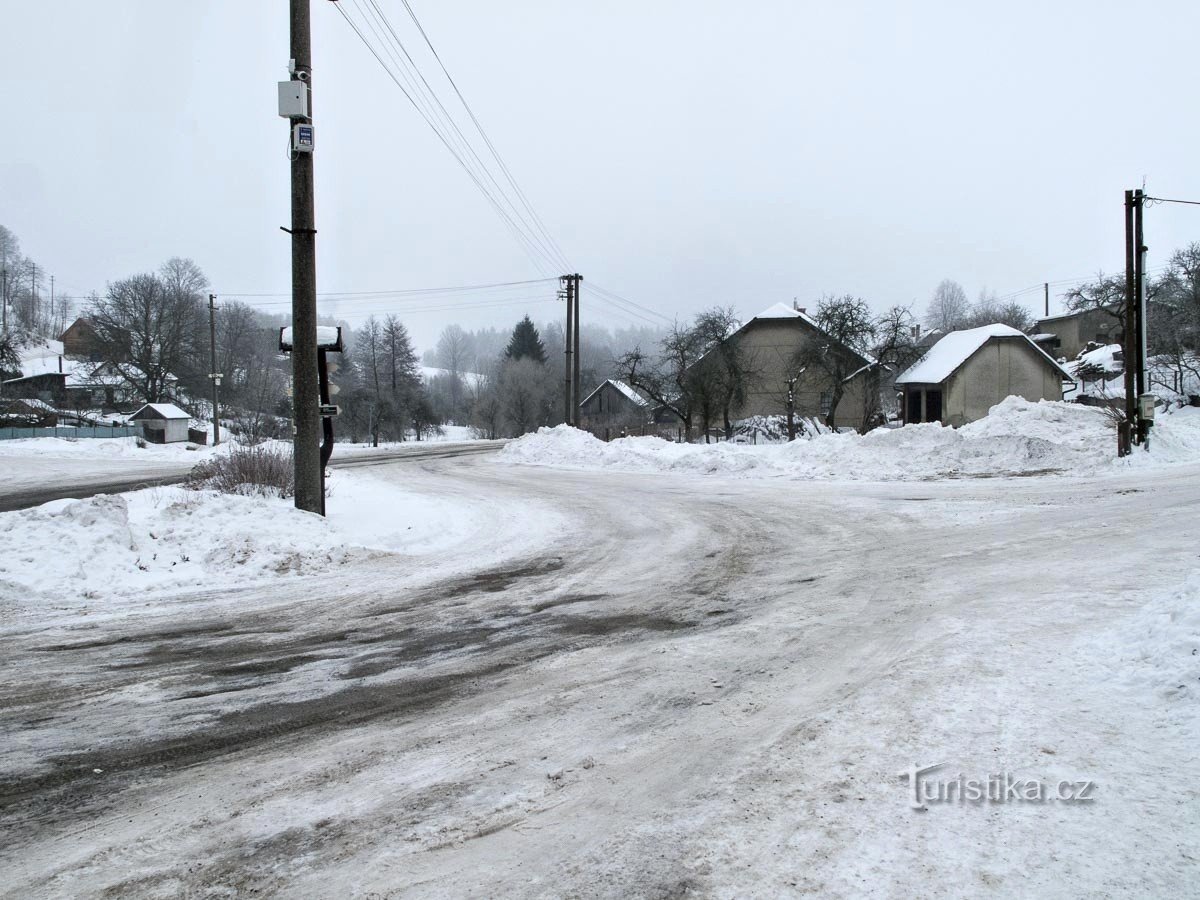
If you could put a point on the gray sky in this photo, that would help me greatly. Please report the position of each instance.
(684, 154)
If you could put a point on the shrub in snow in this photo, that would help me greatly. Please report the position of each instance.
(263, 469)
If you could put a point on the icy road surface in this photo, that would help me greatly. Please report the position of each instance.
(676, 685)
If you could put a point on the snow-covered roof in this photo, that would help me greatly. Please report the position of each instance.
(161, 411)
(783, 311)
(944, 357)
(621, 386)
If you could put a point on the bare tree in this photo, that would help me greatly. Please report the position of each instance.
(148, 327)
(990, 309)
(846, 329)
(727, 370)
(948, 310)
(668, 378)
(453, 347)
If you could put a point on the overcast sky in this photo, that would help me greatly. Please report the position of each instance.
(684, 154)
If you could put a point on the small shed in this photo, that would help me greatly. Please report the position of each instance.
(614, 409)
(162, 423)
(968, 372)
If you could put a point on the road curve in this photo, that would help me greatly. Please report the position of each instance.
(567, 722)
(78, 488)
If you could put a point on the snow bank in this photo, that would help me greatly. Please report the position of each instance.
(119, 545)
(123, 543)
(1157, 650)
(1017, 438)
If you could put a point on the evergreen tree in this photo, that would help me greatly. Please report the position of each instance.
(525, 343)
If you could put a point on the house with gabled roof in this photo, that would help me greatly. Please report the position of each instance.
(770, 341)
(615, 409)
(966, 373)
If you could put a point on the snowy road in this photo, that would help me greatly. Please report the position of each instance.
(636, 685)
(34, 479)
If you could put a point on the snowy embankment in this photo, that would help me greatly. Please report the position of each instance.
(41, 462)
(118, 545)
(1017, 438)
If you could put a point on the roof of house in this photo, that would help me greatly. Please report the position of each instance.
(160, 411)
(621, 386)
(783, 311)
(1110, 308)
(945, 357)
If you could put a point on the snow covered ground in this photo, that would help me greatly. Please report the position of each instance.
(618, 684)
(31, 463)
(1017, 438)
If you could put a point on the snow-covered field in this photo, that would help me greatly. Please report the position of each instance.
(496, 679)
(1017, 438)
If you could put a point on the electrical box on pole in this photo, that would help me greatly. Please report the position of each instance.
(293, 99)
(302, 138)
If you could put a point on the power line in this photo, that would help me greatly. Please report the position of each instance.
(617, 298)
(1150, 201)
(538, 253)
(479, 127)
(465, 288)
(546, 242)
(479, 304)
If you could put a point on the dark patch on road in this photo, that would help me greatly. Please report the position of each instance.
(566, 600)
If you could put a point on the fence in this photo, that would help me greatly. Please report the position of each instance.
(99, 431)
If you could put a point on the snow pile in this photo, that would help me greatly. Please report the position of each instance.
(1018, 437)
(1157, 650)
(123, 543)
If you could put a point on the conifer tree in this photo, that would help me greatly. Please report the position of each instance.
(526, 343)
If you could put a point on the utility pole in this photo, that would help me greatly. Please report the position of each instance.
(4, 295)
(1139, 288)
(1046, 287)
(306, 396)
(568, 418)
(33, 301)
(1125, 430)
(575, 356)
(213, 373)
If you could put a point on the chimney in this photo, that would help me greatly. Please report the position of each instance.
(797, 307)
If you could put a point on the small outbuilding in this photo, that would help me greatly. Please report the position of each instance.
(968, 372)
(162, 423)
(613, 410)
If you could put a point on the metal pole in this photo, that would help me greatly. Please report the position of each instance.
(1046, 287)
(305, 388)
(216, 379)
(4, 274)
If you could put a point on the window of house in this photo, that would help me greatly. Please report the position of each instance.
(826, 402)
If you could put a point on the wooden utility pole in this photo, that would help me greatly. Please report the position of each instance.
(575, 398)
(4, 297)
(1139, 296)
(568, 393)
(213, 373)
(306, 396)
(1127, 428)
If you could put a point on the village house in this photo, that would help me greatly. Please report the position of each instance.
(614, 409)
(770, 341)
(968, 372)
(1066, 336)
(81, 341)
